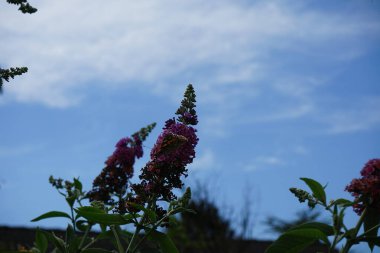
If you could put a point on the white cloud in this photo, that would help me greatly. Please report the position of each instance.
(213, 126)
(205, 161)
(362, 115)
(68, 46)
(263, 162)
(9, 151)
(235, 53)
(301, 150)
(270, 160)
(291, 112)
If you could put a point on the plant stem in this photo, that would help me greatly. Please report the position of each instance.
(142, 239)
(138, 227)
(334, 243)
(73, 219)
(133, 238)
(349, 242)
(150, 231)
(119, 245)
(328, 208)
(368, 231)
(89, 244)
(84, 237)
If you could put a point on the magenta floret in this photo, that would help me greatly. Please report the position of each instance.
(366, 189)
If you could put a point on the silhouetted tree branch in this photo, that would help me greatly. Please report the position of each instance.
(25, 7)
(6, 74)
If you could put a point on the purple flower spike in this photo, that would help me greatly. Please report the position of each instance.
(114, 177)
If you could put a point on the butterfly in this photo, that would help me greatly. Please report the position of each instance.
(171, 142)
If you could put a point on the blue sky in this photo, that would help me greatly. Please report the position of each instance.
(285, 89)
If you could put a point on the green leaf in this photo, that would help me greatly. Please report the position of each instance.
(343, 202)
(324, 228)
(90, 209)
(373, 240)
(350, 234)
(182, 210)
(295, 240)
(71, 200)
(147, 250)
(103, 227)
(338, 221)
(16, 251)
(52, 214)
(74, 244)
(96, 215)
(96, 250)
(50, 237)
(371, 220)
(317, 189)
(151, 215)
(58, 242)
(82, 225)
(41, 242)
(166, 244)
(108, 235)
(70, 234)
(77, 184)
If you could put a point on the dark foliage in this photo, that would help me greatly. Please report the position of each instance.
(25, 7)
(6, 74)
(206, 231)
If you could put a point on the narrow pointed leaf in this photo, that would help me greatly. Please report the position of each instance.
(343, 202)
(41, 241)
(71, 200)
(99, 216)
(295, 241)
(324, 228)
(78, 184)
(151, 215)
(58, 242)
(317, 189)
(82, 225)
(371, 220)
(373, 240)
(166, 244)
(70, 234)
(96, 250)
(52, 214)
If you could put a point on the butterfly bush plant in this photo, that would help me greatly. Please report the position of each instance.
(366, 204)
(114, 200)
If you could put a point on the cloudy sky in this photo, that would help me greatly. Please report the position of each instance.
(285, 89)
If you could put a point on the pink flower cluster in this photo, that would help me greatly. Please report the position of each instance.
(366, 189)
(125, 153)
(175, 145)
(114, 177)
(174, 149)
